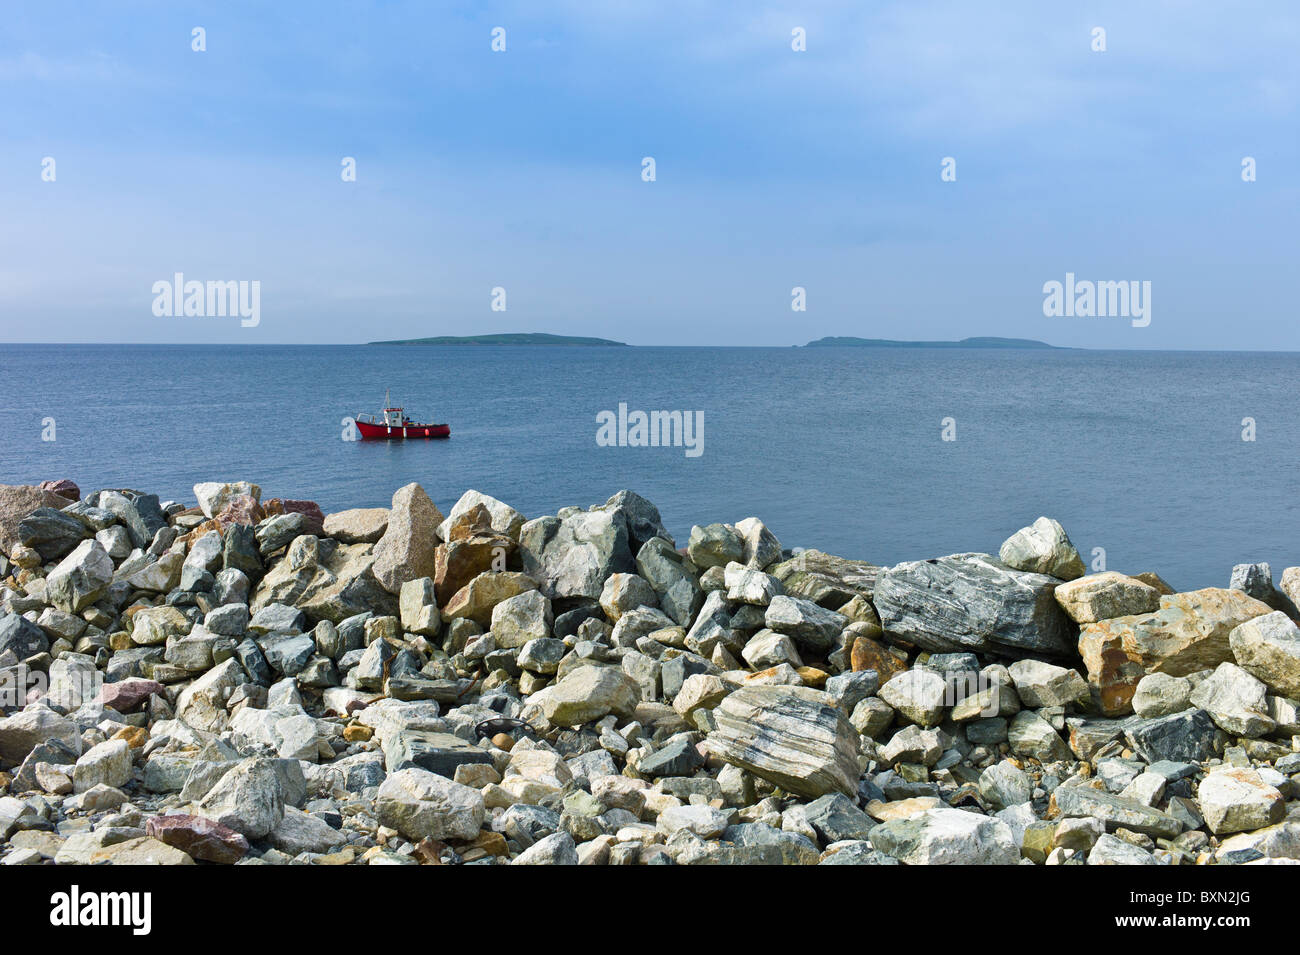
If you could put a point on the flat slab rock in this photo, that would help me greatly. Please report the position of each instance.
(788, 738)
(947, 837)
(973, 602)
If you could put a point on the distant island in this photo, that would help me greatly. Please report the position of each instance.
(519, 338)
(985, 342)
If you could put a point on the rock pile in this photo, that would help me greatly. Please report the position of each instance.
(256, 682)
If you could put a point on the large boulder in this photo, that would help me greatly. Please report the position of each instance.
(714, 545)
(571, 556)
(338, 587)
(640, 517)
(140, 514)
(588, 694)
(213, 496)
(1237, 799)
(472, 547)
(25, 730)
(811, 626)
(678, 591)
(1114, 812)
(1188, 633)
(407, 549)
(249, 799)
(202, 704)
(1235, 700)
(947, 837)
(16, 502)
(521, 618)
(1106, 595)
(1269, 647)
(825, 579)
(478, 598)
(358, 525)
(423, 805)
(80, 578)
(973, 602)
(51, 533)
(1042, 548)
(21, 637)
(503, 519)
(1187, 736)
(789, 737)
(1257, 580)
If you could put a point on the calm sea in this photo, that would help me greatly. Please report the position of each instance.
(1138, 453)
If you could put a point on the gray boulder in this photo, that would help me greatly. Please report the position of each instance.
(788, 737)
(1043, 548)
(973, 602)
(572, 556)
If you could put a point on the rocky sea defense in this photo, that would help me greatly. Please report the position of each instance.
(251, 681)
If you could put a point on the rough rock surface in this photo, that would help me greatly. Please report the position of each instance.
(1189, 632)
(794, 742)
(1042, 548)
(260, 683)
(973, 602)
(406, 551)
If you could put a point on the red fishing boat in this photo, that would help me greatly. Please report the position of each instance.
(392, 423)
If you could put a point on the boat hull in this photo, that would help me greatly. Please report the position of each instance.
(410, 432)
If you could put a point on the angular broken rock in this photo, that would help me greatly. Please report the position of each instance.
(503, 518)
(572, 556)
(108, 764)
(406, 551)
(811, 626)
(1043, 684)
(947, 837)
(920, 695)
(1187, 736)
(248, 799)
(520, 619)
(973, 602)
(1237, 799)
(477, 599)
(679, 592)
(1106, 595)
(714, 545)
(80, 578)
(1030, 735)
(419, 607)
(198, 837)
(334, 588)
(588, 694)
(786, 736)
(1235, 700)
(1269, 648)
(213, 496)
(828, 580)
(1159, 694)
(423, 805)
(1188, 633)
(1116, 812)
(1042, 548)
(358, 525)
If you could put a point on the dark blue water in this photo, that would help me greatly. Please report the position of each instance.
(1139, 453)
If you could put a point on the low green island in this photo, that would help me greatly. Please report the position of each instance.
(984, 342)
(517, 338)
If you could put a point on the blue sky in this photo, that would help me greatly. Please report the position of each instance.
(775, 169)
